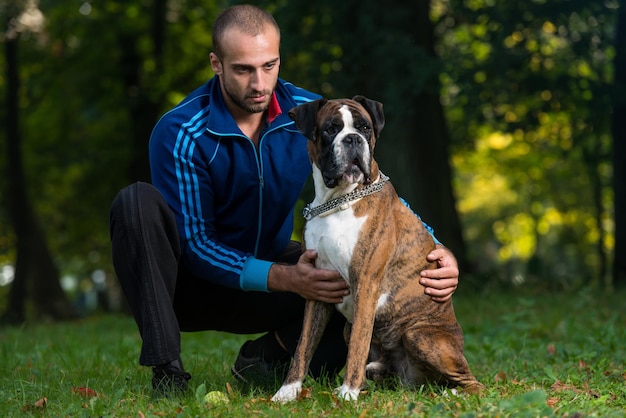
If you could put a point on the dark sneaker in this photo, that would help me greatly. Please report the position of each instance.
(254, 370)
(170, 379)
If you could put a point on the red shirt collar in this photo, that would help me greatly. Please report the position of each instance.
(274, 110)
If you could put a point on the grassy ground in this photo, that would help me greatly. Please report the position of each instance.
(539, 356)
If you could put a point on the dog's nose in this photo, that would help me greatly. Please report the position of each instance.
(352, 139)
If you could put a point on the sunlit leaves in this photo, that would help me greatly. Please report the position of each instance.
(529, 118)
(503, 183)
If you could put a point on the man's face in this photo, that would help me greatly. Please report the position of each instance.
(248, 70)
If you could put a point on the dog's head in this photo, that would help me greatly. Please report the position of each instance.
(342, 134)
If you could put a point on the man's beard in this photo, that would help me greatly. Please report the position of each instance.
(251, 108)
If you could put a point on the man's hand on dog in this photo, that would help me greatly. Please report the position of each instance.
(328, 286)
(307, 280)
(440, 283)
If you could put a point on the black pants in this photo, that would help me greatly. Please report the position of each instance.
(166, 300)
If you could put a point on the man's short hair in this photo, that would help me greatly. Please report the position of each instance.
(249, 19)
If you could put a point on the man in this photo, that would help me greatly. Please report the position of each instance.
(207, 246)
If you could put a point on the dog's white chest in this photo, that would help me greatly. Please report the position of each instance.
(334, 237)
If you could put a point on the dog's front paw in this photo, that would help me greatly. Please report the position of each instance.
(288, 392)
(347, 393)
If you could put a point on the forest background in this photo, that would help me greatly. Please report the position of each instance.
(505, 128)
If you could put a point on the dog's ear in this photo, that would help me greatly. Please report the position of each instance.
(375, 110)
(305, 117)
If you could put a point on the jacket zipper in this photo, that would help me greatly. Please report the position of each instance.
(259, 162)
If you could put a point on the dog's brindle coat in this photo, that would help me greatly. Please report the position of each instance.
(379, 246)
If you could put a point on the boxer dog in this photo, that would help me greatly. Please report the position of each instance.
(360, 227)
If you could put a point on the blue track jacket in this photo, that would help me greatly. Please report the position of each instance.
(233, 203)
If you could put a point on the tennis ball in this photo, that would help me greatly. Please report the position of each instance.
(215, 397)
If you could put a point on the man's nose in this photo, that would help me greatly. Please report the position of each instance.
(258, 80)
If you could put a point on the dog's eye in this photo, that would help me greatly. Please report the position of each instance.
(366, 129)
(330, 130)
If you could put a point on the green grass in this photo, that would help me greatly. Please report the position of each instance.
(538, 355)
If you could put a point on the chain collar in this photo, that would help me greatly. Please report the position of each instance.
(343, 202)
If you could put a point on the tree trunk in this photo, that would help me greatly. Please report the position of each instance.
(143, 100)
(36, 277)
(592, 162)
(619, 151)
(139, 108)
(390, 57)
(425, 127)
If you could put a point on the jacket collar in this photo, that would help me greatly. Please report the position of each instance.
(274, 109)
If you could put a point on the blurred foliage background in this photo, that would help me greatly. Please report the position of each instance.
(501, 128)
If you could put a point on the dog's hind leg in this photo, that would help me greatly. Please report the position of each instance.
(440, 353)
(316, 317)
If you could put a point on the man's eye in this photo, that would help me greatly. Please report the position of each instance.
(270, 66)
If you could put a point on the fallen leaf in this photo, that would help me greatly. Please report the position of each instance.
(552, 402)
(39, 404)
(305, 393)
(500, 376)
(560, 387)
(141, 415)
(551, 349)
(84, 391)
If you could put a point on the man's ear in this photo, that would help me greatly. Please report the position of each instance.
(216, 63)
(305, 117)
(375, 110)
